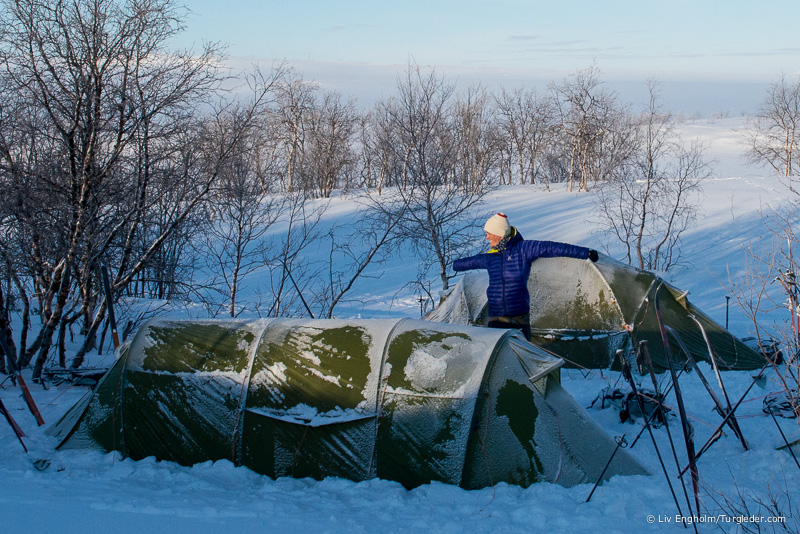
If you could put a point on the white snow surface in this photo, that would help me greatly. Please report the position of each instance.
(86, 491)
(425, 369)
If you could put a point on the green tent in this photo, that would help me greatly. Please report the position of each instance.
(404, 400)
(585, 312)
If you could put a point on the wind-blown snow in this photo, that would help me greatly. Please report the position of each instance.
(85, 491)
(424, 369)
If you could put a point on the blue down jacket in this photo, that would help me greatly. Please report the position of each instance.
(509, 271)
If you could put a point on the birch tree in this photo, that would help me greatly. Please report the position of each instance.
(593, 128)
(103, 109)
(438, 215)
(773, 133)
(653, 198)
(527, 124)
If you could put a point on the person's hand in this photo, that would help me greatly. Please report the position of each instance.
(593, 255)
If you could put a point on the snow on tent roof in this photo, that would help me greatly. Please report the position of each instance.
(585, 312)
(410, 401)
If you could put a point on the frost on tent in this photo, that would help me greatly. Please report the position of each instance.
(411, 401)
(316, 416)
(585, 312)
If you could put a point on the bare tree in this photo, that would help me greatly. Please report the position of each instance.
(314, 137)
(766, 291)
(235, 242)
(527, 126)
(773, 133)
(381, 163)
(330, 156)
(593, 128)
(652, 199)
(296, 101)
(107, 122)
(352, 252)
(290, 273)
(5, 330)
(215, 143)
(81, 68)
(438, 215)
(476, 140)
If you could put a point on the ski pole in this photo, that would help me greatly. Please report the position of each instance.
(722, 410)
(649, 363)
(26, 393)
(14, 426)
(727, 306)
(786, 441)
(687, 431)
(717, 433)
(626, 372)
(620, 443)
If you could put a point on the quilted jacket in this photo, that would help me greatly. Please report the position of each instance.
(509, 271)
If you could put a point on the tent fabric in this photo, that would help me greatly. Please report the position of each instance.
(410, 401)
(585, 312)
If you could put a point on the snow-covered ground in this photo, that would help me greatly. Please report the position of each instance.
(80, 491)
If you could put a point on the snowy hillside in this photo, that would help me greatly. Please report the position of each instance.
(79, 491)
(729, 219)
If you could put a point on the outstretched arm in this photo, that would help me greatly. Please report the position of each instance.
(472, 262)
(554, 249)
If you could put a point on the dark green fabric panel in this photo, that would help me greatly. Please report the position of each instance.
(734, 353)
(185, 417)
(422, 439)
(476, 472)
(570, 292)
(629, 285)
(526, 433)
(581, 312)
(197, 347)
(99, 423)
(584, 349)
(326, 369)
(424, 424)
(676, 313)
(517, 461)
(502, 445)
(279, 448)
(105, 416)
(516, 402)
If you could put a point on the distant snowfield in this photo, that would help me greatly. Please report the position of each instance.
(724, 143)
(82, 491)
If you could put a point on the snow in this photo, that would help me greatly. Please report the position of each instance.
(88, 491)
(424, 369)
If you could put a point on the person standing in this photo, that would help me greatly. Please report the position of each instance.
(508, 263)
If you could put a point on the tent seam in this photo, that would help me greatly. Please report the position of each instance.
(238, 448)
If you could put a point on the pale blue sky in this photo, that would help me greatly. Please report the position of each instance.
(350, 45)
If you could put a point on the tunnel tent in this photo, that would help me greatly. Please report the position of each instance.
(585, 312)
(403, 400)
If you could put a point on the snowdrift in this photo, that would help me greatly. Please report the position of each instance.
(403, 400)
(585, 312)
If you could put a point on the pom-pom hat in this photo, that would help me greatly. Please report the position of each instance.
(498, 225)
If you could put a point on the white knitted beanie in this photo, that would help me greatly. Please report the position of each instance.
(498, 225)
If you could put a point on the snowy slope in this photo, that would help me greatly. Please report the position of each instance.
(77, 491)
